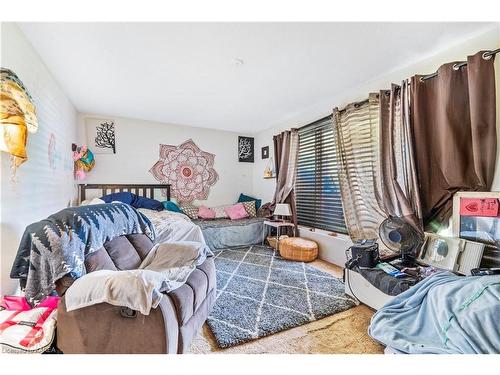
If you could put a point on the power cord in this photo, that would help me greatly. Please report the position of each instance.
(351, 263)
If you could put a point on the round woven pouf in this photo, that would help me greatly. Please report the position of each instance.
(299, 249)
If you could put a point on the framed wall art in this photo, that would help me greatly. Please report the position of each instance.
(265, 152)
(101, 135)
(245, 149)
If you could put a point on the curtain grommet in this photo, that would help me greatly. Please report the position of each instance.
(487, 56)
(456, 67)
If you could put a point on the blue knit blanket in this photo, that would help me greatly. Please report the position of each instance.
(58, 245)
(443, 314)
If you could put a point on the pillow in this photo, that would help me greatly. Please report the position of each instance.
(190, 210)
(124, 197)
(220, 213)
(171, 206)
(206, 213)
(246, 198)
(250, 208)
(150, 204)
(236, 212)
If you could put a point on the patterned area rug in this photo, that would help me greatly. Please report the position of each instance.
(260, 293)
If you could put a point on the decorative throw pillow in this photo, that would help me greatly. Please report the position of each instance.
(236, 212)
(206, 213)
(190, 210)
(250, 208)
(246, 198)
(220, 213)
(171, 206)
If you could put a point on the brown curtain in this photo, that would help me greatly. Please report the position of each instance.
(399, 190)
(286, 150)
(454, 130)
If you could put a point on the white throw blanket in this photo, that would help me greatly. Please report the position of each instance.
(165, 268)
(173, 226)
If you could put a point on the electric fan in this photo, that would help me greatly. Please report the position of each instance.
(399, 236)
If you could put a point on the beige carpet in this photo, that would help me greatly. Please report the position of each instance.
(343, 333)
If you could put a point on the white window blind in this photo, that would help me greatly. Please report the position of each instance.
(319, 204)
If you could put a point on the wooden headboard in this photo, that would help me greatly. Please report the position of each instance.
(144, 190)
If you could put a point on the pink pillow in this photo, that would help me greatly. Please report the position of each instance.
(206, 213)
(236, 212)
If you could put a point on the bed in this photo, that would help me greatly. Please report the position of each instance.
(169, 226)
(224, 233)
(173, 226)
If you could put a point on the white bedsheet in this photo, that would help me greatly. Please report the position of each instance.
(172, 226)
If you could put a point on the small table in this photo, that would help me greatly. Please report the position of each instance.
(274, 224)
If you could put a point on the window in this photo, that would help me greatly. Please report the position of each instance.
(319, 204)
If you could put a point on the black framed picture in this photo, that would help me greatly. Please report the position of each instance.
(265, 152)
(245, 149)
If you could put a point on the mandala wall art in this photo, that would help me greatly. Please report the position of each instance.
(187, 169)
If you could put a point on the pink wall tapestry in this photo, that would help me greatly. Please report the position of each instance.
(187, 169)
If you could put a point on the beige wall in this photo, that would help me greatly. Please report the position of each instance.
(39, 189)
(137, 148)
(333, 248)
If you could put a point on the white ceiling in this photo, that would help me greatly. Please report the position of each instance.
(186, 73)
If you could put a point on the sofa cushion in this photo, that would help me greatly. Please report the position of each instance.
(246, 198)
(123, 253)
(141, 243)
(206, 213)
(99, 260)
(199, 283)
(183, 298)
(189, 297)
(236, 212)
(190, 210)
(220, 212)
(250, 208)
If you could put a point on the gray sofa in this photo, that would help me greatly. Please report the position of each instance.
(104, 328)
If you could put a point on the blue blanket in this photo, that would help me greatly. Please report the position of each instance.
(58, 245)
(224, 233)
(443, 314)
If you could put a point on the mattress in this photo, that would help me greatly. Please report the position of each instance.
(224, 233)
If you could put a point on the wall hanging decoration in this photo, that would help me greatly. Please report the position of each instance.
(265, 152)
(245, 149)
(101, 135)
(187, 169)
(51, 151)
(84, 161)
(17, 117)
(269, 171)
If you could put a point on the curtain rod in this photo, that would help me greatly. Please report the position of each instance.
(486, 56)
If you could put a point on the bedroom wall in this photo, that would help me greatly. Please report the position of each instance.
(39, 189)
(333, 248)
(137, 148)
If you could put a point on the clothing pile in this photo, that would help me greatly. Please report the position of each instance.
(24, 329)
